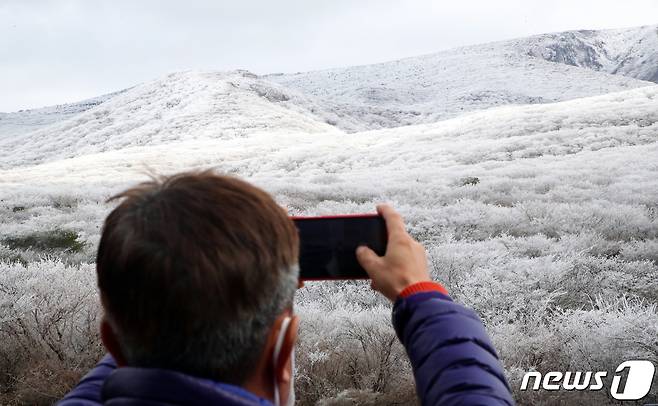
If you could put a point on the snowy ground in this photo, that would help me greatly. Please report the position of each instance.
(541, 216)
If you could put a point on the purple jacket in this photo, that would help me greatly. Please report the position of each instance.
(452, 357)
(108, 385)
(453, 360)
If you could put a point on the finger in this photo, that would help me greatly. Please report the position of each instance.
(394, 222)
(369, 260)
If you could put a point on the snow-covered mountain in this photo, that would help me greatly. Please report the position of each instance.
(24, 121)
(434, 87)
(178, 107)
(631, 52)
(410, 91)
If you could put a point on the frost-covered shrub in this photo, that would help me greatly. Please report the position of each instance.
(639, 250)
(48, 329)
(351, 397)
(470, 180)
(580, 340)
(351, 348)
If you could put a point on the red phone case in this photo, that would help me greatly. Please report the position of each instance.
(336, 216)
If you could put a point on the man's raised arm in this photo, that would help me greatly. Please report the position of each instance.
(453, 360)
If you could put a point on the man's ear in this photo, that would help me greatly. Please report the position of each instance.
(111, 342)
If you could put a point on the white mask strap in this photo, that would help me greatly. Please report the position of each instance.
(277, 352)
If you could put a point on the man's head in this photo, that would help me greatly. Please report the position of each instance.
(196, 272)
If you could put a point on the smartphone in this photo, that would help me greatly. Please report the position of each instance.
(328, 244)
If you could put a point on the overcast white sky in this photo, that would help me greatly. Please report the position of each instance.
(57, 51)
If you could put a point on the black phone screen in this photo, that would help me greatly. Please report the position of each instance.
(328, 245)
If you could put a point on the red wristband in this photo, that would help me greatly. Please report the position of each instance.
(419, 287)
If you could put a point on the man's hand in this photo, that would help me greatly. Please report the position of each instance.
(405, 261)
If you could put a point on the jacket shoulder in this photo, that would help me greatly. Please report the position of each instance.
(88, 391)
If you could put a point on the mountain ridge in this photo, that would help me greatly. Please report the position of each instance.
(631, 52)
(179, 106)
(426, 89)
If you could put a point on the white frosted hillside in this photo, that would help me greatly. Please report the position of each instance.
(435, 87)
(631, 52)
(431, 155)
(182, 106)
(24, 121)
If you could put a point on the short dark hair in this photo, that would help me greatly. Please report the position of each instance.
(193, 269)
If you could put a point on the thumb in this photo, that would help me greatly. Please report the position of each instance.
(369, 260)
